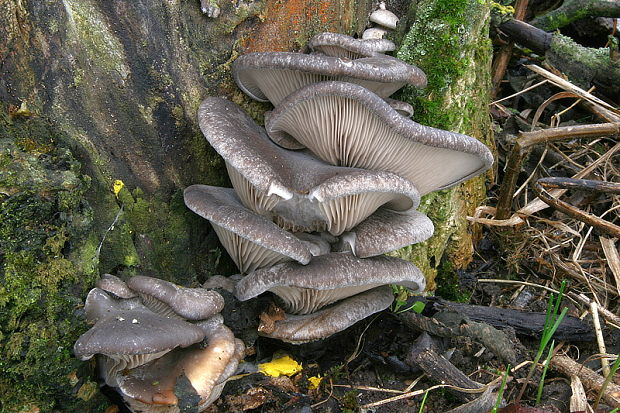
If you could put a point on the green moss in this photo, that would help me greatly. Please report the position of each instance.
(448, 285)
(448, 40)
(42, 218)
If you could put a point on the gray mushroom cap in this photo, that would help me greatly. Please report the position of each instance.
(300, 192)
(299, 329)
(251, 240)
(132, 332)
(271, 76)
(164, 298)
(115, 285)
(384, 18)
(99, 305)
(328, 278)
(374, 33)
(345, 124)
(386, 231)
(341, 45)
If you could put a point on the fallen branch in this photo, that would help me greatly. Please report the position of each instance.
(523, 322)
(572, 10)
(589, 378)
(438, 369)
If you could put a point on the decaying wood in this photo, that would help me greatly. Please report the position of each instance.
(541, 186)
(439, 369)
(589, 378)
(524, 323)
(572, 10)
(455, 324)
(500, 63)
(526, 35)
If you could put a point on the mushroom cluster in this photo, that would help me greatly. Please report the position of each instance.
(383, 20)
(329, 185)
(161, 346)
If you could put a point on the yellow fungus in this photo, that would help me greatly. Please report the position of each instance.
(283, 366)
(314, 381)
(118, 185)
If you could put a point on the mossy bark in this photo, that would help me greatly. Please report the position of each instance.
(113, 88)
(449, 40)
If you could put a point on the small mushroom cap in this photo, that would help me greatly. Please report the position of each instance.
(251, 240)
(115, 285)
(386, 231)
(300, 192)
(384, 18)
(131, 332)
(299, 329)
(374, 33)
(341, 45)
(328, 278)
(163, 296)
(346, 124)
(271, 76)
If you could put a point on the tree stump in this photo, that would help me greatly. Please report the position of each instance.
(102, 137)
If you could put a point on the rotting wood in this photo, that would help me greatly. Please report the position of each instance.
(439, 369)
(578, 400)
(455, 324)
(590, 379)
(524, 323)
(500, 63)
(571, 10)
(484, 403)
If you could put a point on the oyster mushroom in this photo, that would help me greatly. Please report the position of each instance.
(374, 33)
(129, 335)
(206, 369)
(252, 241)
(298, 191)
(341, 45)
(386, 231)
(384, 17)
(346, 124)
(299, 329)
(170, 300)
(327, 279)
(114, 285)
(403, 108)
(271, 76)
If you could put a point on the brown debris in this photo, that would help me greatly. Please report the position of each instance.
(268, 318)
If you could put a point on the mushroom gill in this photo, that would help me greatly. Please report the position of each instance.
(347, 125)
(298, 191)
